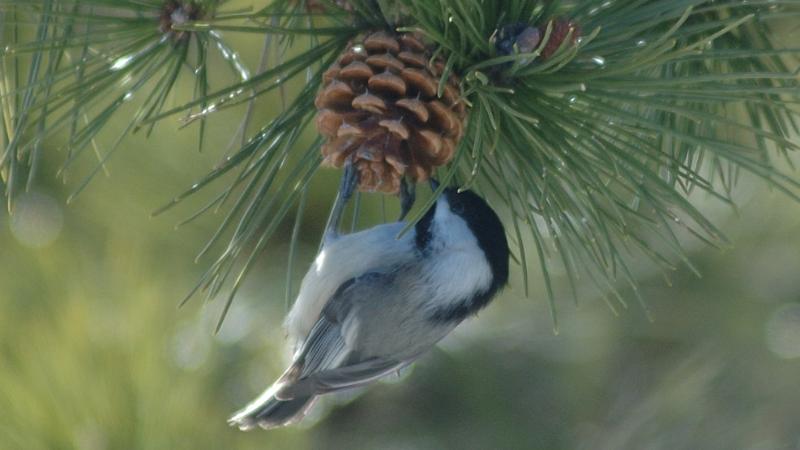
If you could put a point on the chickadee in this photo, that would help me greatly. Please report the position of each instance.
(371, 303)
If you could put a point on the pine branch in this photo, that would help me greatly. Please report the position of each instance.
(599, 145)
(90, 59)
(591, 141)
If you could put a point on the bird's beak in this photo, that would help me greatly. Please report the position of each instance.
(434, 184)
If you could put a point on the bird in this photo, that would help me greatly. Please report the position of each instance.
(372, 303)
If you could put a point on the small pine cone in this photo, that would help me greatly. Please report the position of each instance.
(177, 12)
(526, 38)
(315, 6)
(561, 28)
(378, 105)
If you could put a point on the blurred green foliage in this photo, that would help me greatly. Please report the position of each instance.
(95, 355)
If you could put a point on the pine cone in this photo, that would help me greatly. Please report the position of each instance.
(525, 37)
(315, 6)
(379, 106)
(561, 28)
(175, 12)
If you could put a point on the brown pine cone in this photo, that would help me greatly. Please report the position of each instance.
(315, 6)
(561, 28)
(378, 105)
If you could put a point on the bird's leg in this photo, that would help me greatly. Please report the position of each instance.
(346, 189)
(408, 194)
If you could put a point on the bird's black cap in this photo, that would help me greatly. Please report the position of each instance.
(487, 228)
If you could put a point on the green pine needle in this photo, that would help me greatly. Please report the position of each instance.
(590, 153)
(88, 60)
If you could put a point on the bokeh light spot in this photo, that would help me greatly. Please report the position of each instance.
(37, 220)
(238, 323)
(190, 347)
(782, 331)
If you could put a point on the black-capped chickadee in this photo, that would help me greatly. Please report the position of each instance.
(371, 303)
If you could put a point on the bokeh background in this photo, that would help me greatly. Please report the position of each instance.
(95, 354)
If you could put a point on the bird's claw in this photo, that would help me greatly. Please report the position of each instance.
(346, 188)
(408, 196)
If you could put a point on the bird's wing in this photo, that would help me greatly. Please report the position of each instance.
(355, 375)
(323, 349)
(342, 259)
(326, 362)
(346, 377)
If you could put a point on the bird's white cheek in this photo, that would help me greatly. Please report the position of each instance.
(459, 270)
(459, 275)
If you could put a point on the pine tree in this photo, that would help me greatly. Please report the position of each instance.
(588, 123)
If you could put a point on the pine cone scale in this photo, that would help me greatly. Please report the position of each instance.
(421, 80)
(386, 61)
(412, 59)
(335, 95)
(388, 82)
(357, 70)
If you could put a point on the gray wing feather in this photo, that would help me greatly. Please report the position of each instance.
(324, 347)
(325, 362)
(346, 377)
(357, 374)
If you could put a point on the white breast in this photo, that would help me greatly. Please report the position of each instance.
(346, 257)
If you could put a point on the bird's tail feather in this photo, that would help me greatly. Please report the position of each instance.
(268, 412)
